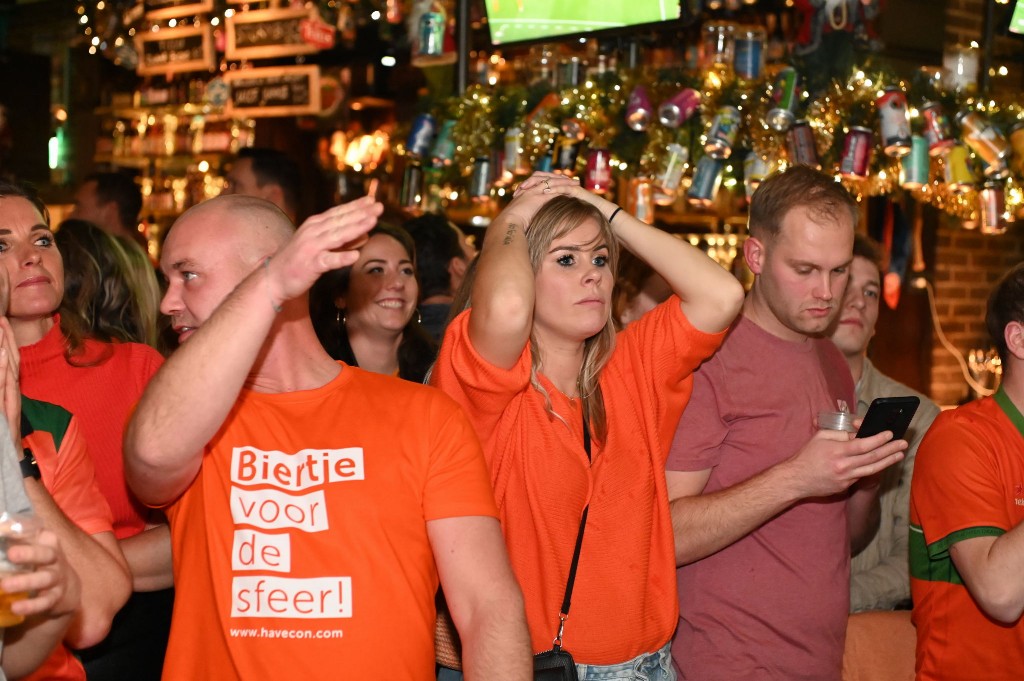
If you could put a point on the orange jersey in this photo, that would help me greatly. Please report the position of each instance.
(968, 482)
(301, 548)
(624, 600)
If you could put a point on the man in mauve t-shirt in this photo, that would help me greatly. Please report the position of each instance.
(764, 504)
(314, 507)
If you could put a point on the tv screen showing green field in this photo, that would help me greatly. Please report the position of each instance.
(517, 20)
(1017, 20)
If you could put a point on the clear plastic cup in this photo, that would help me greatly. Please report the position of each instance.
(836, 420)
(15, 528)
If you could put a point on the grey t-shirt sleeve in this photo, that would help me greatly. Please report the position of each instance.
(14, 500)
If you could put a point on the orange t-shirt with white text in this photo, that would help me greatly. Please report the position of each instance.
(301, 549)
(624, 599)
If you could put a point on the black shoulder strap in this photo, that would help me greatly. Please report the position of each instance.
(566, 602)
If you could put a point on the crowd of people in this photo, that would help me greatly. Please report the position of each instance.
(329, 432)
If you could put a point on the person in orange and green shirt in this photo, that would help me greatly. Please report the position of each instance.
(60, 482)
(966, 508)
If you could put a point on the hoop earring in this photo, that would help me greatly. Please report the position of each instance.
(340, 319)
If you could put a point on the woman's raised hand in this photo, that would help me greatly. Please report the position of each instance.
(535, 191)
(550, 184)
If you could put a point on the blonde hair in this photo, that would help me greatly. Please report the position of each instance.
(557, 218)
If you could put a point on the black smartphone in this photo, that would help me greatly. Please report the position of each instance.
(889, 413)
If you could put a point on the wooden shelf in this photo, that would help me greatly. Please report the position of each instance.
(175, 160)
(161, 110)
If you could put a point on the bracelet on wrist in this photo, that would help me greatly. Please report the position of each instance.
(614, 213)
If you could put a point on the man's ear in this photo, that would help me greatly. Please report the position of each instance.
(754, 252)
(1013, 334)
(457, 269)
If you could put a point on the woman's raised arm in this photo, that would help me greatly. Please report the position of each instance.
(503, 290)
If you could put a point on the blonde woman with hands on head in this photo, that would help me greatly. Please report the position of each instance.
(536, 359)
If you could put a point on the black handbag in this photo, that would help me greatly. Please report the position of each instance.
(554, 665)
(557, 664)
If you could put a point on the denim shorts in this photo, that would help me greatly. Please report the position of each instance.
(656, 666)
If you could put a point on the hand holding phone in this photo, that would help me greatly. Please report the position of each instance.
(889, 413)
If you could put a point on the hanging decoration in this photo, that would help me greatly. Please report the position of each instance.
(877, 133)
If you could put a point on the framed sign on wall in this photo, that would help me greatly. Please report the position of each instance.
(175, 50)
(274, 91)
(261, 34)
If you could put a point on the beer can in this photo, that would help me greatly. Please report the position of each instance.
(749, 60)
(784, 100)
(1017, 142)
(800, 143)
(412, 185)
(679, 108)
(640, 199)
(723, 132)
(638, 109)
(984, 138)
(958, 175)
(755, 169)
(567, 150)
(917, 164)
(991, 206)
(997, 171)
(670, 174)
(707, 177)
(892, 117)
(546, 162)
(856, 158)
(598, 175)
(480, 179)
(936, 128)
(444, 145)
(431, 34)
(421, 137)
(513, 161)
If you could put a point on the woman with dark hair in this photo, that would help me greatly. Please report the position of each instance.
(109, 285)
(99, 383)
(365, 315)
(576, 419)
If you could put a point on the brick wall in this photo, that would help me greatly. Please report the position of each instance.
(966, 265)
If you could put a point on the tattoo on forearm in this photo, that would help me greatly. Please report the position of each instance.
(509, 234)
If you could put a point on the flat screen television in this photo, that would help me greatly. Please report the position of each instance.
(516, 21)
(1017, 18)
